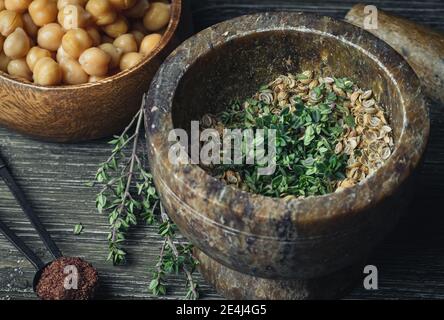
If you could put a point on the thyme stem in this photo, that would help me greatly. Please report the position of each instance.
(127, 189)
(173, 247)
(131, 167)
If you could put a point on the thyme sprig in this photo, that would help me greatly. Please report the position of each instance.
(127, 196)
(173, 258)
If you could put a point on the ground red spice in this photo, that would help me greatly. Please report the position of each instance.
(51, 285)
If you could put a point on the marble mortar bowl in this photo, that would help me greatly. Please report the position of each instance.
(250, 235)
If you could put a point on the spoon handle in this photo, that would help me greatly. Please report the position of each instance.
(19, 195)
(20, 245)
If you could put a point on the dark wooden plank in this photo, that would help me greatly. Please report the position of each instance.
(208, 12)
(53, 176)
(410, 261)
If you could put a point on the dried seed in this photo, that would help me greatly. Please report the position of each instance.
(328, 80)
(386, 129)
(367, 119)
(375, 122)
(370, 110)
(306, 77)
(282, 96)
(314, 97)
(313, 84)
(353, 143)
(348, 149)
(289, 198)
(370, 136)
(354, 96)
(338, 148)
(347, 183)
(291, 83)
(368, 103)
(279, 88)
(338, 91)
(266, 97)
(373, 156)
(282, 104)
(385, 154)
(367, 94)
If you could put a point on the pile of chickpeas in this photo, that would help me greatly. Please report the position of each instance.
(53, 42)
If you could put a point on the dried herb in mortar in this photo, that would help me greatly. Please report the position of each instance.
(330, 134)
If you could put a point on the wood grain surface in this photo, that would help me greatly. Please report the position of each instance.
(410, 261)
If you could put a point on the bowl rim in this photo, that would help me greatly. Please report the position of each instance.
(374, 188)
(176, 11)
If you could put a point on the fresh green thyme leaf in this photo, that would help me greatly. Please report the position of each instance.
(350, 121)
(78, 228)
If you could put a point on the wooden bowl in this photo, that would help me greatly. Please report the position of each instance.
(257, 236)
(87, 111)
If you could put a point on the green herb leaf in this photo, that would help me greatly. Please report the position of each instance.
(350, 121)
(78, 228)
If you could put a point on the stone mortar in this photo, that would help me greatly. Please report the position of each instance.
(271, 238)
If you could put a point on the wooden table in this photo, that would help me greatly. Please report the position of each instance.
(410, 261)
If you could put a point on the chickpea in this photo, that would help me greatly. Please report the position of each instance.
(34, 55)
(17, 44)
(50, 36)
(138, 36)
(19, 68)
(61, 54)
(94, 35)
(95, 78)
(149, 43)
(73, 73)
(117, 28)
(157, 16)
(63, 3)
(95, 62)
(73, 16)
(43, 11)
(75, 41)
(29, 25)
(126, 42)
(9, 21)
(129, 60)
(113, 52)
(101, 11)
(4, 61)
(47, 72)
(123, 4)
(19, 6)
(138, 10)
